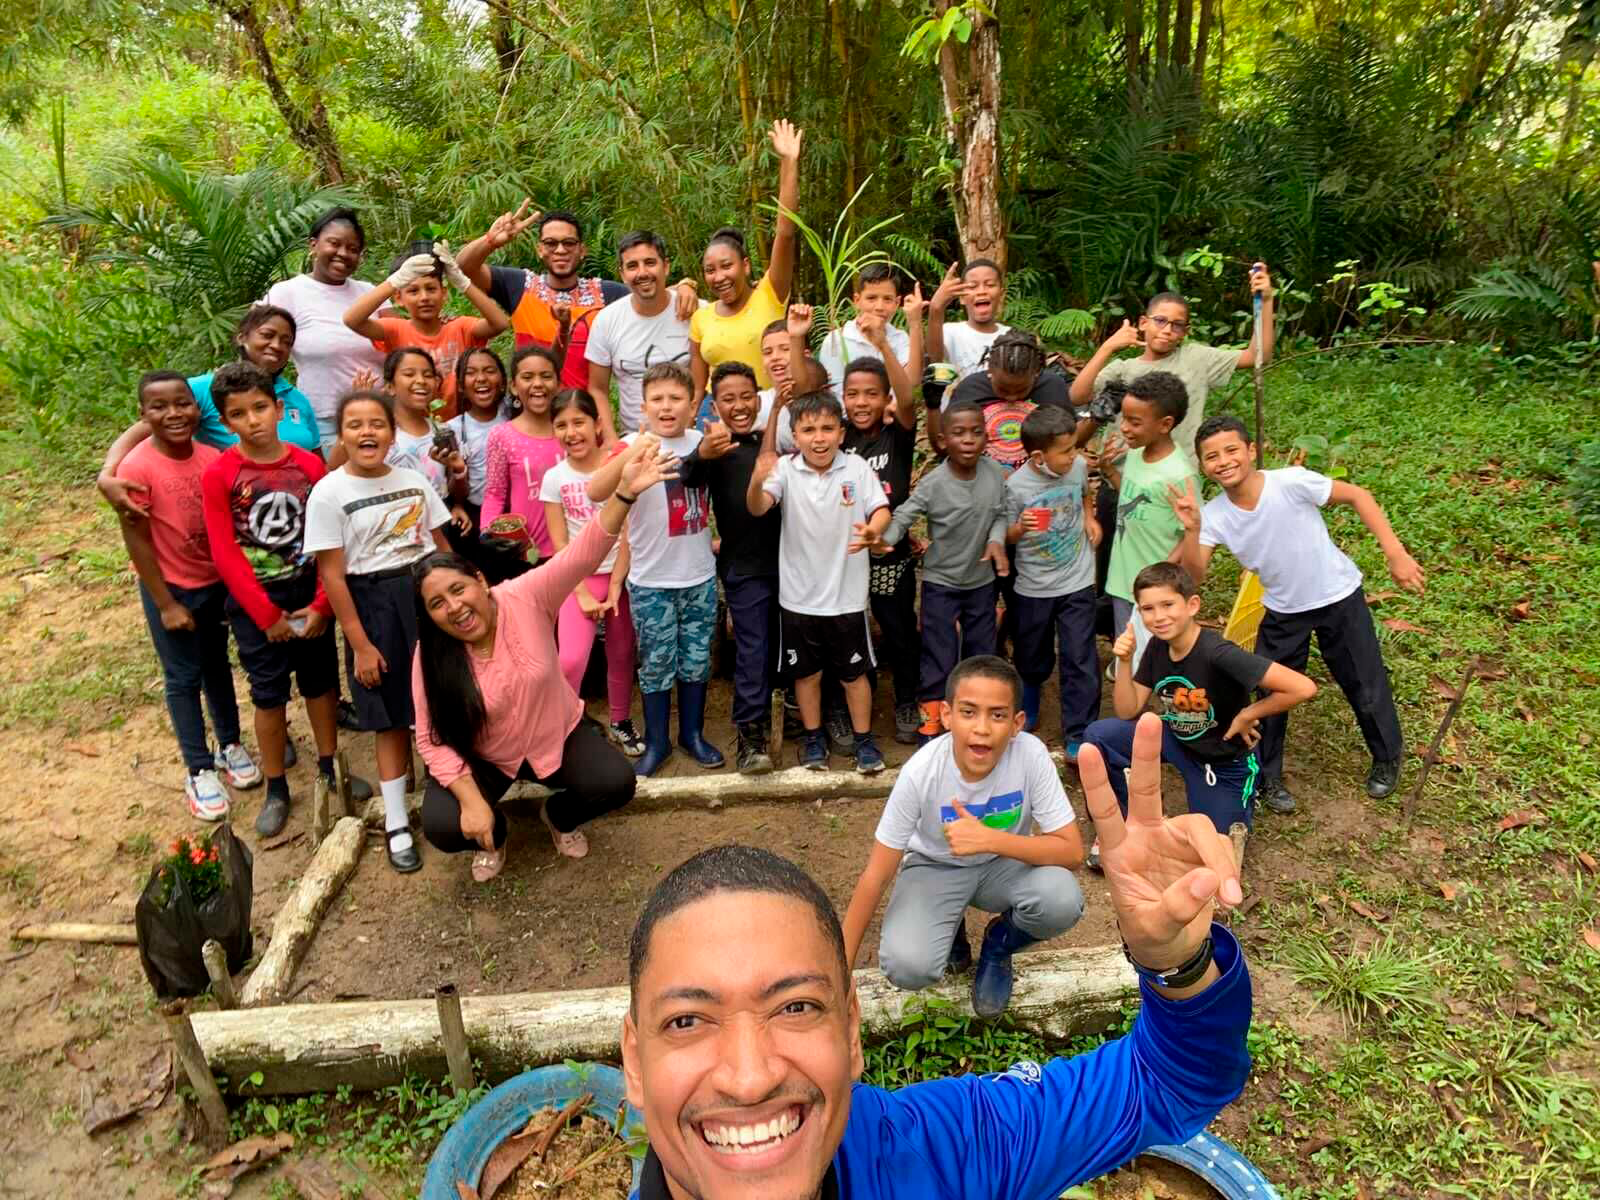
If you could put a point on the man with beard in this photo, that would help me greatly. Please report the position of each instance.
(629, 336)
(742, 1042)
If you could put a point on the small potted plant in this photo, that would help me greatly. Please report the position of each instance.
(199, 892)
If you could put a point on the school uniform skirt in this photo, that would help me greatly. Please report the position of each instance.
(385, 603)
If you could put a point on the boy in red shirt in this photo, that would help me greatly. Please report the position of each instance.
(255, 501)
(182, 593)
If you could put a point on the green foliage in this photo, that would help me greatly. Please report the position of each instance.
(1584, 487)
(1363, 983)
(841, 254)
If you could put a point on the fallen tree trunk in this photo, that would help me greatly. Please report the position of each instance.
(296, 922)
(68, 931)
(301, 1048)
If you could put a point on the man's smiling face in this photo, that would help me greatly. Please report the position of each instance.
(742, 1062)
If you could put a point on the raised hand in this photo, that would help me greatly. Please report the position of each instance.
(1112, 449)
(913, 304)
(1165, 874)
(1261, 280)
(717, 440)
(1185, 506)
(452, 271)
(766, 463)
(460, 518)
(800, 317)
(1407, 572)
(366, 380)
(966, 834)
(872, 328)
(645, 470)
(951, 288)
(995, 554)
(509, 226)
(1124, 337)
(1126, 641)
(562, 312)
(408, 272)
(785, 139)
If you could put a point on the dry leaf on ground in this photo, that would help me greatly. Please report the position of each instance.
(1447, 890)
(1523, 816)
(1588, 862)
(1400, 626)
(1592, 936)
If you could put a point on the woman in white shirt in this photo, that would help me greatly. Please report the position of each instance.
(327, 354)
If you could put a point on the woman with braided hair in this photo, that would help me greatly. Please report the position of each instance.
(1012, 383)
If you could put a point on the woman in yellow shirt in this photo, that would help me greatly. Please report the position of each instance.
(729, 330)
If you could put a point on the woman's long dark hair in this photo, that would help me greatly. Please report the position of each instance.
(455, 705)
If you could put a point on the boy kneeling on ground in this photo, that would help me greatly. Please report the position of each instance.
(1202, 684)
(954, 829)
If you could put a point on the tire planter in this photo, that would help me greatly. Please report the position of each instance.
(1217, 1164)
(471, 1140)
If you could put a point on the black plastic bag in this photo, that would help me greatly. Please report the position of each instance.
(172, 927)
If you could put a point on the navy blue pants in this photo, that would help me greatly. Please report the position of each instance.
(753, 608)
(1067, 624)
(956, 623)
(195, 661)
(1225, 792)
(1349, 645)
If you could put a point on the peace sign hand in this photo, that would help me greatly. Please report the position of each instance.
(508, 226)
(1166, 874)
(1185, 506)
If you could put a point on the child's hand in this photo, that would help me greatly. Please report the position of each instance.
(128, 498)
(645, 470)
(370, 666)
(717, 441)
(1126, 337)
(1032, 522)
(1246, 729)
(995, 553)
(175, 617)
(366, 380)
(785, 139)
(280, 630)
(919, 546)
(913, 305)
(508, 226)
(871, 327)
(950, 289)
(966, 834)
(562, 312)
(1406, 571)
(1112, 450)
(1124, 645)
(587, 604)
(314, 622)
(800, 319)
(1092, 531)
(1261, 280)
(688, 298)
(408, 272)
(866, 538)
(766, 463)
(1185, 506)
(452, 271)
(460, 518)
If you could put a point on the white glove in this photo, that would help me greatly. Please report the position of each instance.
(413, 269)
(452, 270)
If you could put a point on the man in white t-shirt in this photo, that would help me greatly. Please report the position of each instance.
(830, 499)
(981, 288)
(1272, 521)
(629, 336)
(956, 830)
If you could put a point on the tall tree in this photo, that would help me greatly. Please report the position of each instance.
(969, 80)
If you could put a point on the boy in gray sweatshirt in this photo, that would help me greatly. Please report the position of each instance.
(964, 499)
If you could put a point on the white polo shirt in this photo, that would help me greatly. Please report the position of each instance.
(817, 575)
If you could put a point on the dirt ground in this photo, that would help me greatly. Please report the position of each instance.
(92, 795)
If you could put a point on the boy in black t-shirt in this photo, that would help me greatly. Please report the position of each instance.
(747, 559)
(1202, 684)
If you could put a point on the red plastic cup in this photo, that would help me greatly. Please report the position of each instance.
(1041, 518)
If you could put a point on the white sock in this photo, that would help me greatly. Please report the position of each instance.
(394, 811)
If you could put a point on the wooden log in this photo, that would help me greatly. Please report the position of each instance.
(71, 931)
(296, 922)
(216, 960)
(198, 1071)
(454, 1036)
(372, 1044)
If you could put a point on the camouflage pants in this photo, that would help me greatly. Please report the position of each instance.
(675, 628)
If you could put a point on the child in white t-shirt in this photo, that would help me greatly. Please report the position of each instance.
(1272, 522)
(368, 522)
(830, 501)
(955, 832)
(981, 288)
(672, 577)
(869, 333)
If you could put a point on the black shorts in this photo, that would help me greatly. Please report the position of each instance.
(313, 662)
(840, 645)
(384, 602)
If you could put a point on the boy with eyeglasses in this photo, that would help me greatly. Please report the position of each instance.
(1160, 334)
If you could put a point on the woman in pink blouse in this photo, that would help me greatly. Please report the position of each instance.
(492, 705)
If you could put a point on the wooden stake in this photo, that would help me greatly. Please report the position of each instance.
(341, 804)
(216, 960)
(68, 931)
(198, 1071)
(454, 1035)
(319, 810)
(1438, 740)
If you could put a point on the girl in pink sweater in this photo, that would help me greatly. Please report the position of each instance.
(523, 449)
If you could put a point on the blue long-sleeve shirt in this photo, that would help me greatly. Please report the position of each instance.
(1034, 1131)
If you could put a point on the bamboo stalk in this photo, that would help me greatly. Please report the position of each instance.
(198, 1071)
(453, 1033)
(216, 960)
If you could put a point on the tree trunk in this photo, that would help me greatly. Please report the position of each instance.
(1182, 33)
(504, 40)
(1202, 44)
(969, 77)
(308, 124)
(1163, 41)
(1132, 39)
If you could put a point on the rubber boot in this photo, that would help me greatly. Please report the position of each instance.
(691, 725)
(1031, 693)
(657, 733)
(991, 986)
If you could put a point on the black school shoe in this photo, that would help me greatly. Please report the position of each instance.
(1276, 797)
(274, 815)
(404, 861)
(1383, 778)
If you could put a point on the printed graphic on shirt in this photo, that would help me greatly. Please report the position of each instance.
(879, 464)
(1004, 424)
(847, 495)
(575, 501)
(1185, 708)
(1135, 506)
(400, 525)
(997, 812)
(269, 521)
(1061, 543)
(653, 354)
(687, 509)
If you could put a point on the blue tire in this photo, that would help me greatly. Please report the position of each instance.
(466, 1148)
(1213, 1160)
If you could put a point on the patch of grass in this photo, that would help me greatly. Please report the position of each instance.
(1363, 984)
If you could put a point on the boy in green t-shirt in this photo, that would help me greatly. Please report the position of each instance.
(1147, 530)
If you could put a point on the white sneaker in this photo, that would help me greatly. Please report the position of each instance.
(207, 799)
(235, 762)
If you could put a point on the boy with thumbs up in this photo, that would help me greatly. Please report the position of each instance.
(956, 831)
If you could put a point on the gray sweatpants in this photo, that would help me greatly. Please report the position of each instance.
(930, 899)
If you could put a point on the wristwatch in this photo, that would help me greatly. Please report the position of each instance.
(1173, 977)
